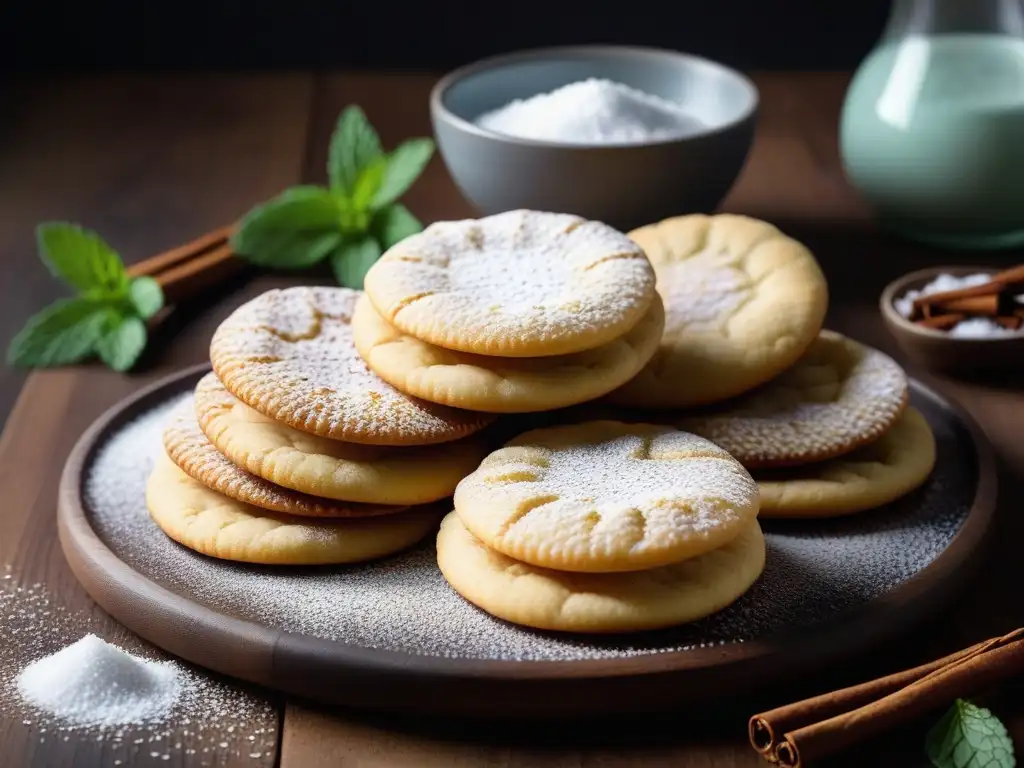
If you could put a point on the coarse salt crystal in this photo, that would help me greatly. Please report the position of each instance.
(592, 111)
(94, 682)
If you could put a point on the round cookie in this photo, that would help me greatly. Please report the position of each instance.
(838, 396)
(502, 384)
(331, 469)
(289, 354)
(517, 284)
(605, 496)
(875, 474)
(214, 525)
(742, 303)
(598, 602)
(195, 455)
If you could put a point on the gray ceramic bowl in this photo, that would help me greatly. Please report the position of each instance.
(622, 185)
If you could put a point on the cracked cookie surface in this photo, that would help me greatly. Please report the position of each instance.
(742, 303)
(878, 473)
(598, 602)
(840, 395)
(606, 496)
(332, 469)
(289, 354)
(502, 384)
(516, 284)
(214, 525)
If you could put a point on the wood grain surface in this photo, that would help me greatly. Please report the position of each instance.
(150, 163)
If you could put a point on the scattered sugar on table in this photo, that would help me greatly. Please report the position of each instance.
(592, 111)
(63, 683)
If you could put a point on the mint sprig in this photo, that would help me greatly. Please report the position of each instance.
(106, 316)
(969, 736)
(353, 220)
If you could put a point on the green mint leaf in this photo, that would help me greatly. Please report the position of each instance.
(367, 184)
(301, 192)
(353, 259)
(295, 230)
(969, 736)
(405, 165)
(394, 224)
(146, 296)
(354, 145)
(81, 258)
(63, 333)
(122, 343)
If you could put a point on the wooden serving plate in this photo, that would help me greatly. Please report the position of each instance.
(831, 588)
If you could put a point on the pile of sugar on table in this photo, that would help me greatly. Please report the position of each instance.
(592, 111)
(92, 682)
(971, 328)
(65, 683)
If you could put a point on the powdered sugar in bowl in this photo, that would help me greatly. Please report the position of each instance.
(619, 134)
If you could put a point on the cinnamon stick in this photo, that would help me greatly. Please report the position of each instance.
(198, 274)
(806, 731)
(767, 729)
(979, 306)
(182, 253)
(1009, 279)
(941, 322)
(193, 267)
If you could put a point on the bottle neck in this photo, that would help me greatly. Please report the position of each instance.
(938, 17)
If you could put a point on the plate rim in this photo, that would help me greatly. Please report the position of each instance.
(264, 655)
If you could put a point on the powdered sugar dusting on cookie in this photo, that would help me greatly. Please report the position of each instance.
(840, 395)
(742, 300)
(603, 494)
(521, 283)
(815, 573)
(194, 454)
(702, 293)
(289, 354)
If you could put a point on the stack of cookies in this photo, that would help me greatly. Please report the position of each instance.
(603, 527)
(599, 527)
(334, 420)
(515, 313)
(821, 420)
(293, 453)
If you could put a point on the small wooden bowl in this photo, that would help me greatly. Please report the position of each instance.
(937, 350)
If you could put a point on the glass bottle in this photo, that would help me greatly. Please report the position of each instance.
(932, 128)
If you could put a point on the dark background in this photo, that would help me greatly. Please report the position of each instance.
(431, 34)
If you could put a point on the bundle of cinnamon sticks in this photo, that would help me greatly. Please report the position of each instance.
(193, 267)
(796, 735)
(996, 300)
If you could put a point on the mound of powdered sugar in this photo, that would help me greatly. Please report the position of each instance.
(592, 111)
(815, 572)
(57, 684)
(92, 682)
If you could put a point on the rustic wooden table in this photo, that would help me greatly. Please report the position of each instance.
(151, 162)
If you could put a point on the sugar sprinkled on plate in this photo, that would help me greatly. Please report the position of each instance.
(814, 572)
(592, 111)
